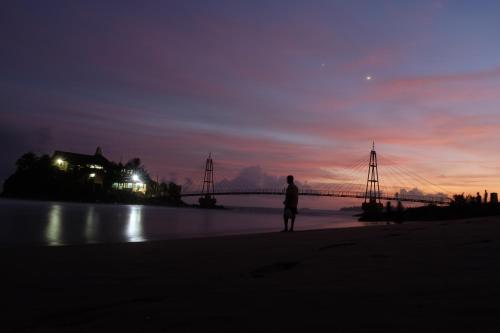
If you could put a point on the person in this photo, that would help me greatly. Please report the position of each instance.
(388, 211)
(291, 202)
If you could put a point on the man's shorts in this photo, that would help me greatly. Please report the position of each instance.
(290, 212)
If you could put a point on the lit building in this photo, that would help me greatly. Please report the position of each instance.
(131, 181)
(95, 167)
(92, 166)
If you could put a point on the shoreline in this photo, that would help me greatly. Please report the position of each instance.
(92, 202)
(411, 277)
(185, 205)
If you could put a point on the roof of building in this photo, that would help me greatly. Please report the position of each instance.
(82, 159)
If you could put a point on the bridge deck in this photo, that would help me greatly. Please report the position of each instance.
(356, 195)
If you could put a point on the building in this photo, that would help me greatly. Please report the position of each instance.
(131, 180)
(93, 167)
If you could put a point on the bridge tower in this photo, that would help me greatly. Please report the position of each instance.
(372, 193)
(372, 207)
(207, 199)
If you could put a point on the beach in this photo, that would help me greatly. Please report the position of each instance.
(419, 276)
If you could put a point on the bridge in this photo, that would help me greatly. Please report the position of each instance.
(319, 193)
(371, 192)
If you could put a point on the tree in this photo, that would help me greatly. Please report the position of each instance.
(134, 163)
(26, 162)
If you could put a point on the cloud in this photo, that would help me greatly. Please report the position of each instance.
(416, 193)
(251, 178)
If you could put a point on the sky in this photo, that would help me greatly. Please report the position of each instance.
(270, 88)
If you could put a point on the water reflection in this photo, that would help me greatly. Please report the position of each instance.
(53, 229)
(91, 221)
(55, 223)
(134, 232)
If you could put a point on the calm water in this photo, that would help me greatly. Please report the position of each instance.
(56, 223)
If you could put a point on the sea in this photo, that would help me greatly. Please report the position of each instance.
(25, 222)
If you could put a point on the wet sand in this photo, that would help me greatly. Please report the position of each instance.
(415, 277)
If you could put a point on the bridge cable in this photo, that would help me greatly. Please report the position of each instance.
(418, 178)
(422, 179)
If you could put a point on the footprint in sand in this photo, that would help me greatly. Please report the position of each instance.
(331, 246)
(273, 268)
(393, 235)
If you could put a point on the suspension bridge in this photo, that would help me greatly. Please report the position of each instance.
(371, 191)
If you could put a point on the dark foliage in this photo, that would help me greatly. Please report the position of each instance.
(461, 206)
(37, 178)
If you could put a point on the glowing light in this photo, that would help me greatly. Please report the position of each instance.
(369, 78)
(134, 232)
(53, 230)
(136, 178)
(60, 161)
(91, 222)
(92, 175)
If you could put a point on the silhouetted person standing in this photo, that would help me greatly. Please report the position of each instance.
(291, 202)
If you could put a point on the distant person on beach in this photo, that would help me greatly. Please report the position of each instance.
(291, 202)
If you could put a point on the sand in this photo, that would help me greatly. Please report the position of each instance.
(415, 277)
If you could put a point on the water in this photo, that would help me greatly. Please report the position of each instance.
(56, 223)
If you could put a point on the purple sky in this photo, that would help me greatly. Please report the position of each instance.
(276, 84)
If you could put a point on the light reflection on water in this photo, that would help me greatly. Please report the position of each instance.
(134, 225)
(56, 223)
(53, 230)
(91, 222)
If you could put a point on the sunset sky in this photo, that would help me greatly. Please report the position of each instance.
(269, 87)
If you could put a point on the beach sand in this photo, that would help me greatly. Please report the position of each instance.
(425, 277)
